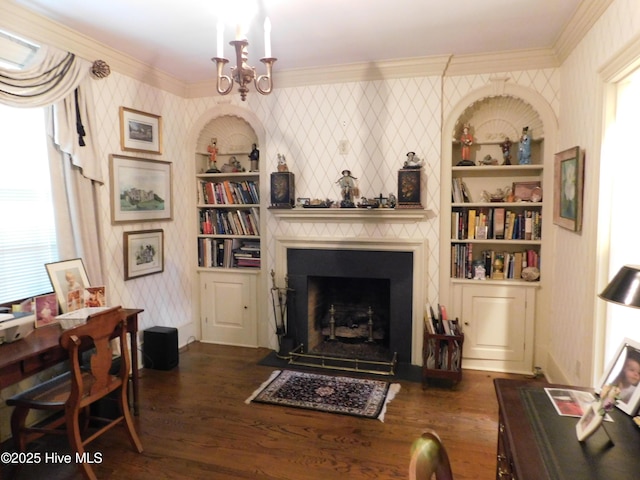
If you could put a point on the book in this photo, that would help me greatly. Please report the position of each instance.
(498, 223)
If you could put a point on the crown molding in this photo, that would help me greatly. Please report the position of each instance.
(495, 62)
(22, 22)
(578, 26)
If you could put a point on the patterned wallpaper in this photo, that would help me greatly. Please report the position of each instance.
(573, 326)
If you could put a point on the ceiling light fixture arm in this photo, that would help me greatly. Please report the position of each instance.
(243, 74)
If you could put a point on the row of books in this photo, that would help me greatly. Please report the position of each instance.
(437, 357)
(459, 191)
(230, 222)
(440, 324)
(495, 223)
(437, 350)
(228, 193)
(493, 264)
(228, 253)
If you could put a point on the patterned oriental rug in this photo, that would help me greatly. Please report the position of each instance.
(359, 397)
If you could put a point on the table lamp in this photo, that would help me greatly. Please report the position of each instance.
(624, 288)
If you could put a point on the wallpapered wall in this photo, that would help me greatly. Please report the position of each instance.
(380, 120)
(573, 340)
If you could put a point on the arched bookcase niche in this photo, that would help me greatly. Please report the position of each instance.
(494, 112)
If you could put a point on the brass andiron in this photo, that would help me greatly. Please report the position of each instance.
(332, 323)
(279, 301)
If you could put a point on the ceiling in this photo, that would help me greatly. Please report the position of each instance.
(178, 37)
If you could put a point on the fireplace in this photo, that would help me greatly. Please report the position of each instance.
(359, 298)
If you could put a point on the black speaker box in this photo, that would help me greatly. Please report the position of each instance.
(160, 348)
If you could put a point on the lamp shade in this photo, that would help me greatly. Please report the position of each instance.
(624, 288)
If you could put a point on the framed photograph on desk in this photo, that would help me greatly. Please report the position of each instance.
(68, 279)
(622, 371)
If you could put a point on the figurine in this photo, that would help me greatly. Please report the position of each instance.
(254, 156)
(392, 201)
(348, 189)
(412, 161)
(466, 140)
(506, 151)
(213, 156)
(233, 166)
(282, 163)
(524, 148)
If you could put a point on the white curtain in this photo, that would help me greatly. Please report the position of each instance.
(61, 81)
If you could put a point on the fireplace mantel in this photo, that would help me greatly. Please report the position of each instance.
(350, 215)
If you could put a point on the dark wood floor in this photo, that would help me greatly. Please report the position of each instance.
(194, 424)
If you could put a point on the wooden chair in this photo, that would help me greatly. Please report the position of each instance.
(428, 456)
(71, 394)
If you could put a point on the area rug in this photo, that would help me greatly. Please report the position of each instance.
(359, 397)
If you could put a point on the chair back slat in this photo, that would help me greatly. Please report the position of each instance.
(95, 379)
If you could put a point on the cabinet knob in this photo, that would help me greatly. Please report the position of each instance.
(466, 323)
(245, 307)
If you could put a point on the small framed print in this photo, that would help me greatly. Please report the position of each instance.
(568, 184)
(589, 422)
(46, 307)
(527, 191)
(283, 188)
(140, 131)
(143, 253)
(409, 188)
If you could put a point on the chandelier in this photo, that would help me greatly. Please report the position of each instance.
(243, 74)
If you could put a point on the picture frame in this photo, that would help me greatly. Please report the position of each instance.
(409, 188)
(525, 190)
(589, 422)
(141, 189)
(568, 189)
(46, 309)
(68, 279)
(143, 253)
(140, 131)
(629, 399)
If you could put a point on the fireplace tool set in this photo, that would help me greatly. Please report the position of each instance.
(279, 300)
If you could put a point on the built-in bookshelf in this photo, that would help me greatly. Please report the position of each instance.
(492, 225)
(229, 220)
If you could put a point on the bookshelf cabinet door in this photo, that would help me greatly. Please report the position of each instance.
(228, 308)
(498, 326)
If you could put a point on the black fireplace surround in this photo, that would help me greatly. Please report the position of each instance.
(394, 266)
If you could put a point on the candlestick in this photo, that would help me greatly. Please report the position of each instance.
(220, 49)
(267, 38)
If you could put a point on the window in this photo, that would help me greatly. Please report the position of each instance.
(27, 226)
(624, 227)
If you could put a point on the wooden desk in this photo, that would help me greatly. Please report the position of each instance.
(536, 443)
(41, 350)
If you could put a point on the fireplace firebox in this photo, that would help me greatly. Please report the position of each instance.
(351, 303)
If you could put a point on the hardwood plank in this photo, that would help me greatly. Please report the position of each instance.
(194, 424)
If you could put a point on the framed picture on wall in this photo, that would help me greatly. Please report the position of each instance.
(140, 131)
(143, 253)
(568, 182)
(140, 189)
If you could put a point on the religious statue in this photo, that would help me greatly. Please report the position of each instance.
(254, 156)
(506, 151)
(524, 148)
(466, 140)
(212, 148)
(348, 189)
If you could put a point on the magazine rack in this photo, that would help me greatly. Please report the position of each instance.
(442, 357)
